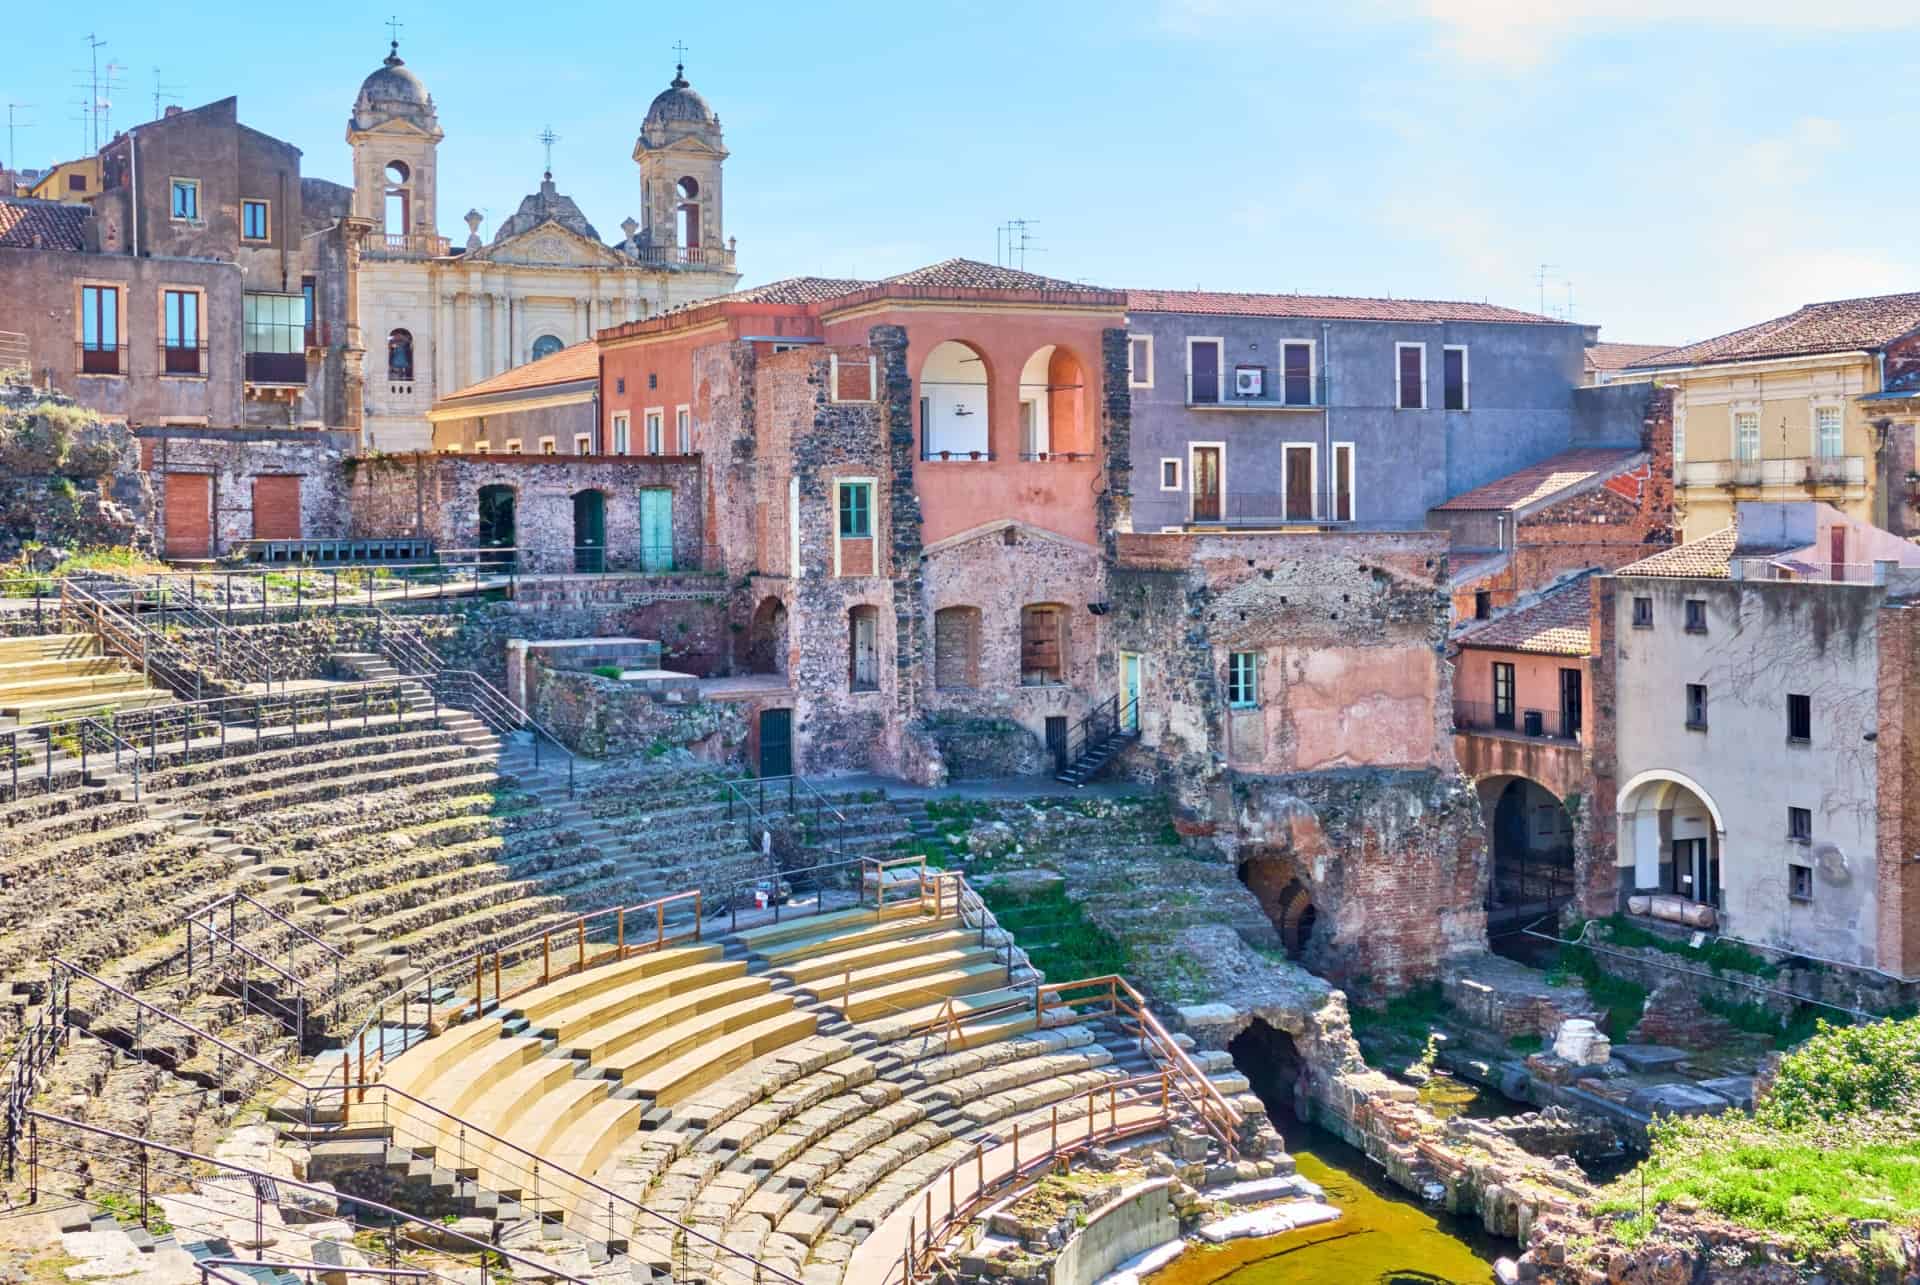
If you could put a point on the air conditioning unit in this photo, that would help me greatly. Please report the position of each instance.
(1248, 381)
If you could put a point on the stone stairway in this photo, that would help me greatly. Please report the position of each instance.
(53, 676)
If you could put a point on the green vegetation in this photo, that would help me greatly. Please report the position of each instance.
(608, 671)
(1623, 1001)
(1531, 1042)
(1757, 1019)
(1831, 1142)
(18, 581)
(1056, 933)
(1720, 955)
(1412, 1016)
(126, 1209)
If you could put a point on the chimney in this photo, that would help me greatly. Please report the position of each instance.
(173, 109)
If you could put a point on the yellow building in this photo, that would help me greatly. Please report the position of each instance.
(70, 182)
(1796, 409)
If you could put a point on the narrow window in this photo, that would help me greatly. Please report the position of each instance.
(1453, 377)
(1503, 697)
(180, 316)
(1296, 374)
(253, 220)
(654, 445)
(1800, 825)
(683, 430)
(1643, 613)
(1696, 616)
(513, 446)
(1799, 718)
(1170, 475)
(1243, 679)
(863, 631)
(482, 446)
(1827, 432)
(1800, 883)
(1746, 436)
(100, 330)
(309, 294)
(1140, 362)
(582, 444)
(1412, 360)
(1043, 645)
(1697, 707)
(622, 434)
(548, 446)
(186, 199)
(856, 510)
(619, 383)
(1203, 371)
(1482, 604)
(1343, 481)
(400, 356)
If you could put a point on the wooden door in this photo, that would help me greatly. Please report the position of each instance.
(1299, 483)
(1570, 703)
(189, 529)
(1206, 483)
(276, 508)
(1838, 539)
(1204, 382)
(776, 742)
(656, 529)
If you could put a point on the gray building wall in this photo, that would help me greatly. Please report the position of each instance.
(1522, 385)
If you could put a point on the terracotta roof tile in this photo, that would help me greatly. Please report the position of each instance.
(1557, 625)
(1329, 307)
(1542, 481)
(973, 275)
(578, 361)
(1620, 356)
(1840, 325)
(42, 225)
(1705, 558)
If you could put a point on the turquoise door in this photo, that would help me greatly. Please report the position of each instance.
(1130, 691)
(656, 529)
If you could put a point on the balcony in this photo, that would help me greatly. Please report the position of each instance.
(404, 245)
(1276, 394)
(1258, 509)
(1793, 472)
(100, 359)
(277, 368)
(183, 359)
(716, 258)
(1532, 724)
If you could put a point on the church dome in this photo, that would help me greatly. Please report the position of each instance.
(679, 103)
(393, 90)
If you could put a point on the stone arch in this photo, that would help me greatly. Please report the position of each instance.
(1671, 837)
(1285, 892)
(956, 402)
(1532, 842)
(1053, 403)
(767, 637)
(496, 518)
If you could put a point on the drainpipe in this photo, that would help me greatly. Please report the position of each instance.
(1326, 412)
(133, 199)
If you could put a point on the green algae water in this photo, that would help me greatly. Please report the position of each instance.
(1383, 1237)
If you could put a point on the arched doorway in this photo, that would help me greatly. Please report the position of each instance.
(1673, 834)
(589, 531)
(953, 403)
(1530, 858)
(1051, 398)
(496, 529)
(1286, 897)
(767, 638)
(1272, 1064)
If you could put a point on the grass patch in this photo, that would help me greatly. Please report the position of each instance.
(1623, 1001)
(1056, 933)
(1757, 1019)
(1530, 1042)
(1415, 1014)
(607, 671)
(1719, 955)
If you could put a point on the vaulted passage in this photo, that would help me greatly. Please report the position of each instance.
(1271, 1063)
(1288, 900)
(1530, 839)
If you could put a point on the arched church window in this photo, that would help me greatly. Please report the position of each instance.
(688, 188)
(397, 172)
(546, 346)
(400, 355)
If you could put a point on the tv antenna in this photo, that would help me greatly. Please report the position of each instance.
(162, 92)
(13, 124)
(1012, 240)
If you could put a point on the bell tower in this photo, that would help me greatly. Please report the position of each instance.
(395, 135)
(681, 154)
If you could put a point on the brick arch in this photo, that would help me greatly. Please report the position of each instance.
(767, 637)
(1284, 887)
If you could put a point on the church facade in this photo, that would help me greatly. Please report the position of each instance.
(434, 318)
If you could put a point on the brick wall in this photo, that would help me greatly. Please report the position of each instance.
(1897, 796)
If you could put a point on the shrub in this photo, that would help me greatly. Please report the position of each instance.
(33, 441)
(607, 671)
(1845, 1071)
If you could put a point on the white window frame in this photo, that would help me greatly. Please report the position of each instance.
(1679, 433)
(1133, 374)
(1840, 438)
(1353, 481)
(451, 448)
(1313, 480)
(1179, 473)
(1398, 348)
(513, 446)
(873, 517)
(481, 446)
(1280, 371)
(653, 432)
(1191, 448)
(1466, 376)
(583, 443)
(549, 446)
(683, 429)
(833, 382)
(1220, 371)
(622, 433)
(1734, 415)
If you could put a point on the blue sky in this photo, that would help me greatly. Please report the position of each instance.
(1688, 165)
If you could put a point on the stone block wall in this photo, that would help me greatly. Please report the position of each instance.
(67, 477)
(233, 458)
(608, 717)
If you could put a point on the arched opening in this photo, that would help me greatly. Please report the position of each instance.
(954, 403)
(496, 521)
(687, 214)
(767, 638)
(1051, 405)
(956, 648)
(546, 346)
(1672, 832)
(400, 356)
(1283, 892)
(1273, 1066)
(863, 648)
(1043, 645)
(589, 531)
(398, 202)
(1530, 853)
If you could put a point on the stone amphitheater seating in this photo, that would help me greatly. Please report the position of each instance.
(52, 676)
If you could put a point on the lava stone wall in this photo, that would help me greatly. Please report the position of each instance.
(236, 456)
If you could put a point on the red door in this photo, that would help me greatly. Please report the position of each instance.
(276, 508)
(1838, 539)
(189, 528)
(1206, 483)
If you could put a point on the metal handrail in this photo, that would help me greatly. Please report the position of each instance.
(207, 1265)
(261, 1180)
(50, 733)
(120, 631)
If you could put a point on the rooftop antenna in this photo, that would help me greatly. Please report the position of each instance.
(113, 69)
(161, 93)
(549, 138)
(1569, 301)
(93, 56)
(1013, 239)
(13, 124)
(1540, 280)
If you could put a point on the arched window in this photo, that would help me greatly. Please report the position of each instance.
(399, 201)
(688, 190)
(546, 346)
(953, 403)
(400, 355)
(863, 648)
(1050, 405)
(1043, 645)
(956, 648)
